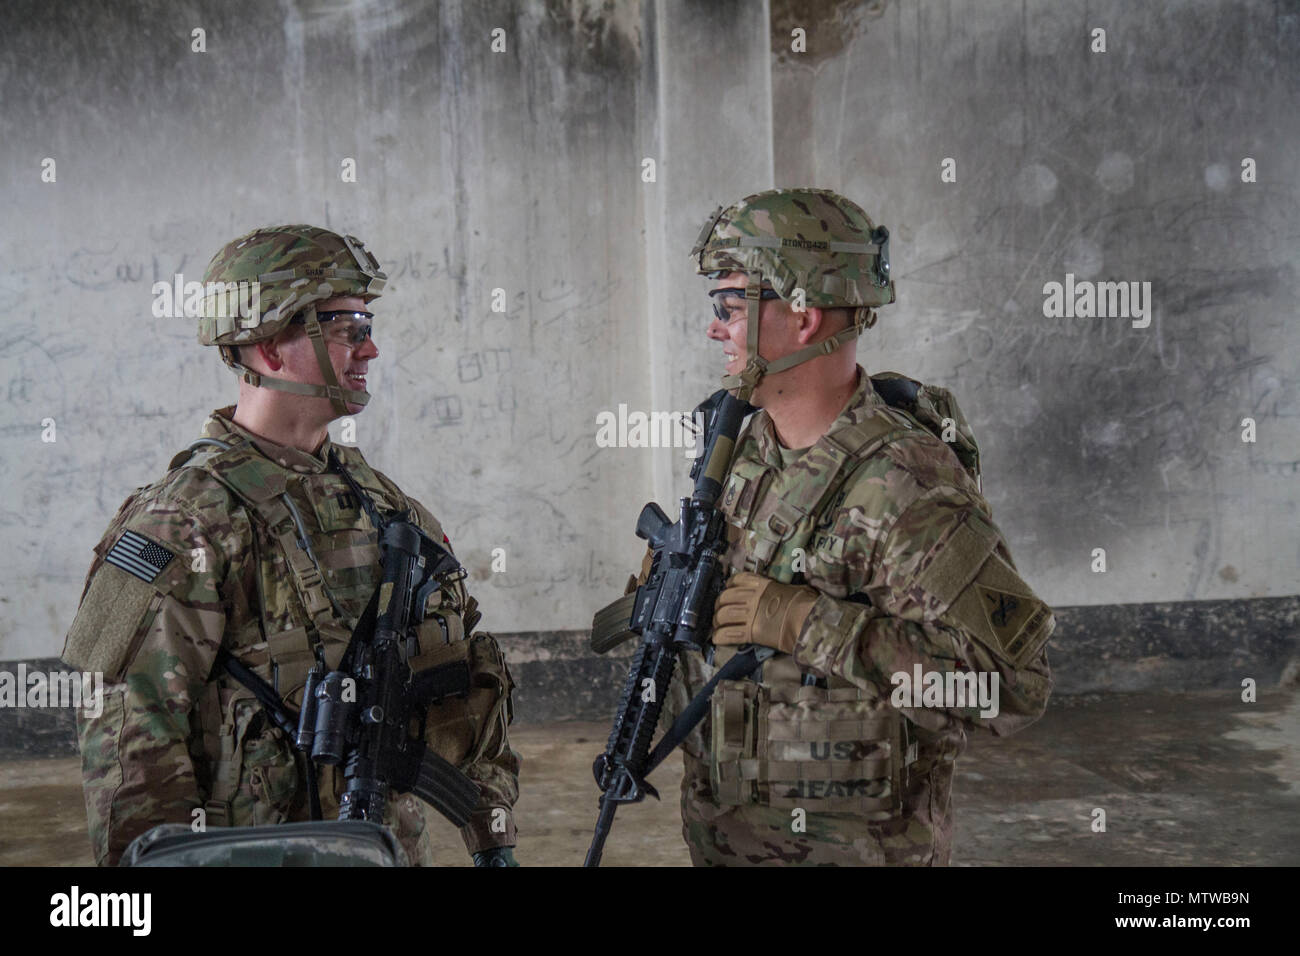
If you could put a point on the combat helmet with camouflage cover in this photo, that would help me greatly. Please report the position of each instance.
(290, 269)
(812, 240)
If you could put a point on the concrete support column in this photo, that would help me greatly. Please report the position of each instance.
(708, 129)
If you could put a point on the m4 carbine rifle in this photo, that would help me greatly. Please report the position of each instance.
(671, 611)
(361, 714)
(369, 730)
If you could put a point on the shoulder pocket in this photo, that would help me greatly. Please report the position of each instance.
(112, 621)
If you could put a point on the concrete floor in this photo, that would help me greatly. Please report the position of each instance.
(1184, 779)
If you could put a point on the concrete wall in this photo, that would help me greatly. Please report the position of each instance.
(523, 170)
(475, 170)
(1122, 165)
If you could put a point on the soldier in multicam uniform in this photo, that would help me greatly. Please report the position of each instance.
(255, 542)
(860, 548)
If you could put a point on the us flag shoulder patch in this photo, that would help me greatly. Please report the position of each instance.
(136, 554)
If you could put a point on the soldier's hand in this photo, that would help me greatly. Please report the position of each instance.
(496, 856)
(753, 609)
(646, 562)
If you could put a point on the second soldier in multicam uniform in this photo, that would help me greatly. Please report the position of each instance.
(860, 548)
(255, 542)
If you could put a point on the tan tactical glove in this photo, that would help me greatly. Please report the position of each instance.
(753, 609)
(646, 562)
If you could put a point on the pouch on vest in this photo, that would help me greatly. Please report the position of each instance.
(460, 727)
(825, 750)
(256, 779)
(256, 771)
(440, 626)
(321, 843)
(284, 659)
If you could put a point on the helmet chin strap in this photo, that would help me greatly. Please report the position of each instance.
(337, 394)
(756, 367)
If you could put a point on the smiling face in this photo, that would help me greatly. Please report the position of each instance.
(350, 362)
(775, 332)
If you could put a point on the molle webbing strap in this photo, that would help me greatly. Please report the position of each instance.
(284, 523)
(804, 728)
(763, 770)
(308, 580)
(785, 693)
(279, 516)
(885, 806)
(225, 775)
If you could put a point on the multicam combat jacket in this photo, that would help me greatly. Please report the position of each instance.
(814, 763)
(209, 557)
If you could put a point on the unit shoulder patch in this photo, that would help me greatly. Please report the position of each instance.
(1016, 620)
(1000, 611)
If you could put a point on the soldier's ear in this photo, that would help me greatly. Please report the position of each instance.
(269, 353)
(809, 323)
(272, 350)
